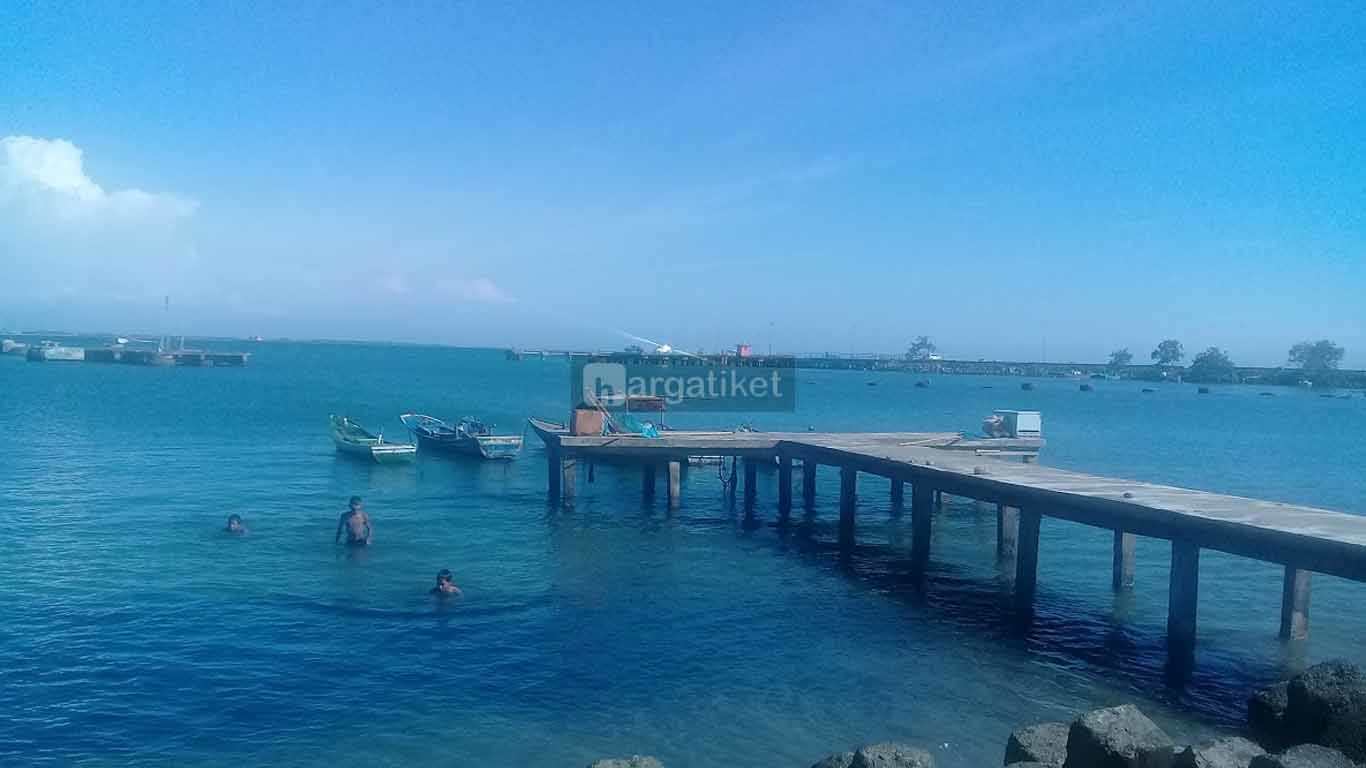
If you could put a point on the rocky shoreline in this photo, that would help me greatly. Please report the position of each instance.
(1317, 719)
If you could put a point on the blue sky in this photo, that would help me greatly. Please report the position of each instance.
(811, 176)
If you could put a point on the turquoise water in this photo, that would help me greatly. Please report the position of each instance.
(132, 630)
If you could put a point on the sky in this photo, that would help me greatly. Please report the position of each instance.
(1044, 180)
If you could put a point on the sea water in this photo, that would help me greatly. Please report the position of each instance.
(133, 630)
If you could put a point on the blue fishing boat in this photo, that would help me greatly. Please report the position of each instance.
(469, 436)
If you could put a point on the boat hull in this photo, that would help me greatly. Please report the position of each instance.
(352, 440)
(437, 436)
(55, 354)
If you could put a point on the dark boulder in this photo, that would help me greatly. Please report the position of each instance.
(1231, 752)
(634, 761)
(1326, 704)
(1042, 743)
(1304, 756)
(1117, 737)
(891, 755)
(837, 760)
(1266, 716)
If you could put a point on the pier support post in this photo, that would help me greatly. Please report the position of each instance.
(922, 516)
(848, 497)
(784, 486)
(552, 466)
(647, 482)
(1295, 604)
(1027, 560)
(750, 490)
(569, 470)
(675, 483)
(1183, 597)
(1007, 531)
(808, 483)
(938, 500)
(1123, 577)
(898, 495)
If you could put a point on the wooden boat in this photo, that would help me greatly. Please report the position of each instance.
(470, 436)
(51, 350)
(354, 440)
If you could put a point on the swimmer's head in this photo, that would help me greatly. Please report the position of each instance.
(443, 576)
(355, 502)
(235, 523)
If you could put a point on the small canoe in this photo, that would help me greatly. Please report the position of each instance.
(355, 440)
(470, 436)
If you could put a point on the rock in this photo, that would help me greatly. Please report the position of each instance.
(891, 755)
(1118, 737)
(1232, 752)
(1042, 743)
(837, 760)
(1304, 756)
(634, 761)
(1266, 716)
(1326, 704)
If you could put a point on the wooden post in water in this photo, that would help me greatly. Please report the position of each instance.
(1007, 531)
(808, 483)
(552, 466)
(922, 516)
(784, 486)
(1183, 597)
(1295, 604)
(938, 500)
(675, 484)
(647, 482)
(750, 490)
(568, 473)
(898, 495)
(848, 497)
(1027, 560)
(1123, 577)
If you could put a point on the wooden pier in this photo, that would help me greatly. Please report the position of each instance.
(1302, 539)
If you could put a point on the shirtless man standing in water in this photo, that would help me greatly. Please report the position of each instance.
(356, 524)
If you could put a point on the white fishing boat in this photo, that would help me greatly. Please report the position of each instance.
(51, 351)
(355, 440)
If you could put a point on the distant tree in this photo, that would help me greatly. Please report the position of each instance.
(920, 349)
(1213, 364)
(1322, 355)
(1169, 352)
(1120, 359)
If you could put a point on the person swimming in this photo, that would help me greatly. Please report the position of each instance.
(356, 523)
(235, 525)
(445, 587)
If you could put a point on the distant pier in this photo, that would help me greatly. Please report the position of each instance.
(1301, 539)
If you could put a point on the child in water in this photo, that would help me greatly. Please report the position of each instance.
(445, 587)
(235, 525)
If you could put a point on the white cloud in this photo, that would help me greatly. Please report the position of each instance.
(62, 233)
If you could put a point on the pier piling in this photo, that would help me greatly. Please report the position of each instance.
(750, 489)
(922, 516)
(569, 469)
(808, 483)
(1027, 560)
(848, 498)
(1295, 604)
(1123, 577)
(675, 484)
(647, 482)
(784, 486)
(1007, 531)
(1183, 598)
(898, 494)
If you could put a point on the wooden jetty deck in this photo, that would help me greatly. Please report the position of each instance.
(1302, 539)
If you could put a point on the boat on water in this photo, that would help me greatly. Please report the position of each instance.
(469, 436)
(12, 347)
(355, 440)
(52, 351)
